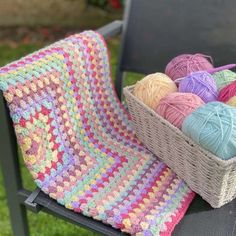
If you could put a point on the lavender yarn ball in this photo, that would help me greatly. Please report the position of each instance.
(200, 83)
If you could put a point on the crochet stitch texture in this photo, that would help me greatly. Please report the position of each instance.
(78, 144)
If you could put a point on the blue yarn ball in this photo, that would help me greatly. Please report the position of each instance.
(213, 126)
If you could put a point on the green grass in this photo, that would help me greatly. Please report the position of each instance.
(44, 224)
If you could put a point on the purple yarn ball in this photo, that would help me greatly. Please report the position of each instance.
(200, 83)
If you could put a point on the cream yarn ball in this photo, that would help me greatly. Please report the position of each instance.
(232, 101)
(152, 88)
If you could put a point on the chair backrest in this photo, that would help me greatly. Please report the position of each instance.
(157, 30)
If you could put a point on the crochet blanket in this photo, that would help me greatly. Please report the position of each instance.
(78, 144)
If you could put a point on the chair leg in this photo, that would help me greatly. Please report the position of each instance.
(18, 217)
(17, 211)
(11, 172)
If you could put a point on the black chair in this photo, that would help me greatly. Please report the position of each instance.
(153, 32)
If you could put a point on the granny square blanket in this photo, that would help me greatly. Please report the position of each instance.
(78, 144)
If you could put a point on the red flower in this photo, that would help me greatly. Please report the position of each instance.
(115, 4)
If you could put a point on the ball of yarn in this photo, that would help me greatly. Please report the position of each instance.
(232, 101)
(213, 126)
(200, 83)
(224, 78)
(176, 106)
(153, 87)
(227, 92)
(185, 64)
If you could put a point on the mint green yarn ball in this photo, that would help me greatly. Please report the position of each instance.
(213, 126)
(224, 78)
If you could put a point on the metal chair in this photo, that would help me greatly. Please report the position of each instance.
(153, 32)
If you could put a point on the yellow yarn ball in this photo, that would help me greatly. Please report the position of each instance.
(152, 88)
(232, 101)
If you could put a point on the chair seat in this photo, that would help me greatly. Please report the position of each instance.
(200, 218)
(52, 207)
(203, 220)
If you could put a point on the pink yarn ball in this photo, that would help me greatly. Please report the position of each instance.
(185, 64)
(227, 92)
(176, 106)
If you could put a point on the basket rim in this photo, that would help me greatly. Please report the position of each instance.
(128, 92)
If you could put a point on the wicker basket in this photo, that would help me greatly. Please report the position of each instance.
(206, 174)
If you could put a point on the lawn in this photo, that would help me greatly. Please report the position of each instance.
(42, 224)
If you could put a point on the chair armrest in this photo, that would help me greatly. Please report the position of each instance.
(111, 29)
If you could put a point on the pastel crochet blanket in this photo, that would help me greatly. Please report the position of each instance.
(78, 144)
